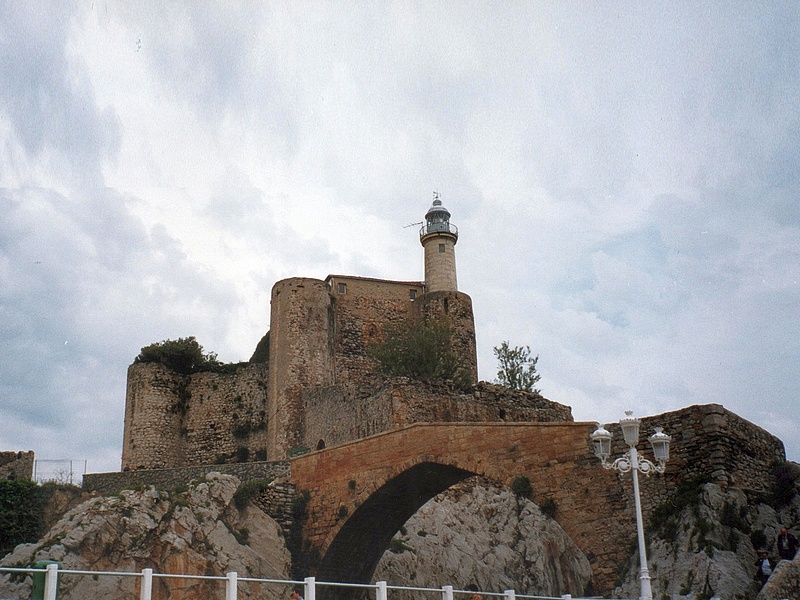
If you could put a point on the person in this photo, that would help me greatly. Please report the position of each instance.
(474, 589)
(787, 545)
(764, 567)
(295, 595)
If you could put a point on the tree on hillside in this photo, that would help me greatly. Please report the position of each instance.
(516, 367)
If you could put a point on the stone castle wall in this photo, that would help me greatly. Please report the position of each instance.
(455, 309)
(301, 356)
(336, 415)
(320, 337)
(364, 309)
(166, 479)
(17, 465)
(174, 420)
(319, 366)
(710, 441)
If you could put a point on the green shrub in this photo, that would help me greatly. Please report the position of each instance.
(249, 489)
(758, 539)
(242, 535)
(549, 508)
(241, 430)
(184, 356)
(21, 512)
(242, 454)
(731, 516)
(665, 516)
(398, 546)
(261, 353)
(300, 503)
(421, 351)
(521, 486)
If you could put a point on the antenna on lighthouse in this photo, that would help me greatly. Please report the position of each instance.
(412, 225)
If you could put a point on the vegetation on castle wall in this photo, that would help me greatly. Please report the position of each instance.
(184, 356)
(421, 351)
(249, 489)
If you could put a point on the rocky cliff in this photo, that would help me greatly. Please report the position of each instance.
(196, 531)
(480, 533)
(703, 544)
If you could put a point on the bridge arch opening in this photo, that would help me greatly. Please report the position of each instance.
(358, 547)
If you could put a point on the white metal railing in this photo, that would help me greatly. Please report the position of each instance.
(381, 589)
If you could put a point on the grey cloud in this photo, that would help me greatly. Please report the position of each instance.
(48, 97)
(83, 286)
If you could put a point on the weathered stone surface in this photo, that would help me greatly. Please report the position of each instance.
(481, 533)
(16, 465)
(174, 420)
(784, 582)
(712, 554)
(195, 532)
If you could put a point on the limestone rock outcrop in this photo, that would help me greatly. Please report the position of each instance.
(709, 550)
(196, 531)
(483, 534)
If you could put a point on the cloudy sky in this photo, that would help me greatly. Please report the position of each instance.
(624, 177)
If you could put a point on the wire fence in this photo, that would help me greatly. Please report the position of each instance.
(48, 582)
(59, 471)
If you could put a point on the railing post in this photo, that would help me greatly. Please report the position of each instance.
(447, 592)
(147, 585)
(510, 594)
(51, 582)
(380, 590)
(231, 586)
(311, 588)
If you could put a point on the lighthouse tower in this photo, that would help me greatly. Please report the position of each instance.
(438, 237)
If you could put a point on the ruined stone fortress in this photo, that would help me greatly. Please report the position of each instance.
(315, 416)
(319, 386)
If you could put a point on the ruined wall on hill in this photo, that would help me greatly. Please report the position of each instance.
(174, 420)
(711, 441)
(16, 465)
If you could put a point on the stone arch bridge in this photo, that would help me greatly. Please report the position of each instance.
(360, 493)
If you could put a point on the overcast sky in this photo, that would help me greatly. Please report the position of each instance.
(624, 177)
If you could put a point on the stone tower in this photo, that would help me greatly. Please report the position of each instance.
(438, 237)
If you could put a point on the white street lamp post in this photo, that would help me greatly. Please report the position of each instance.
(631, 461)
